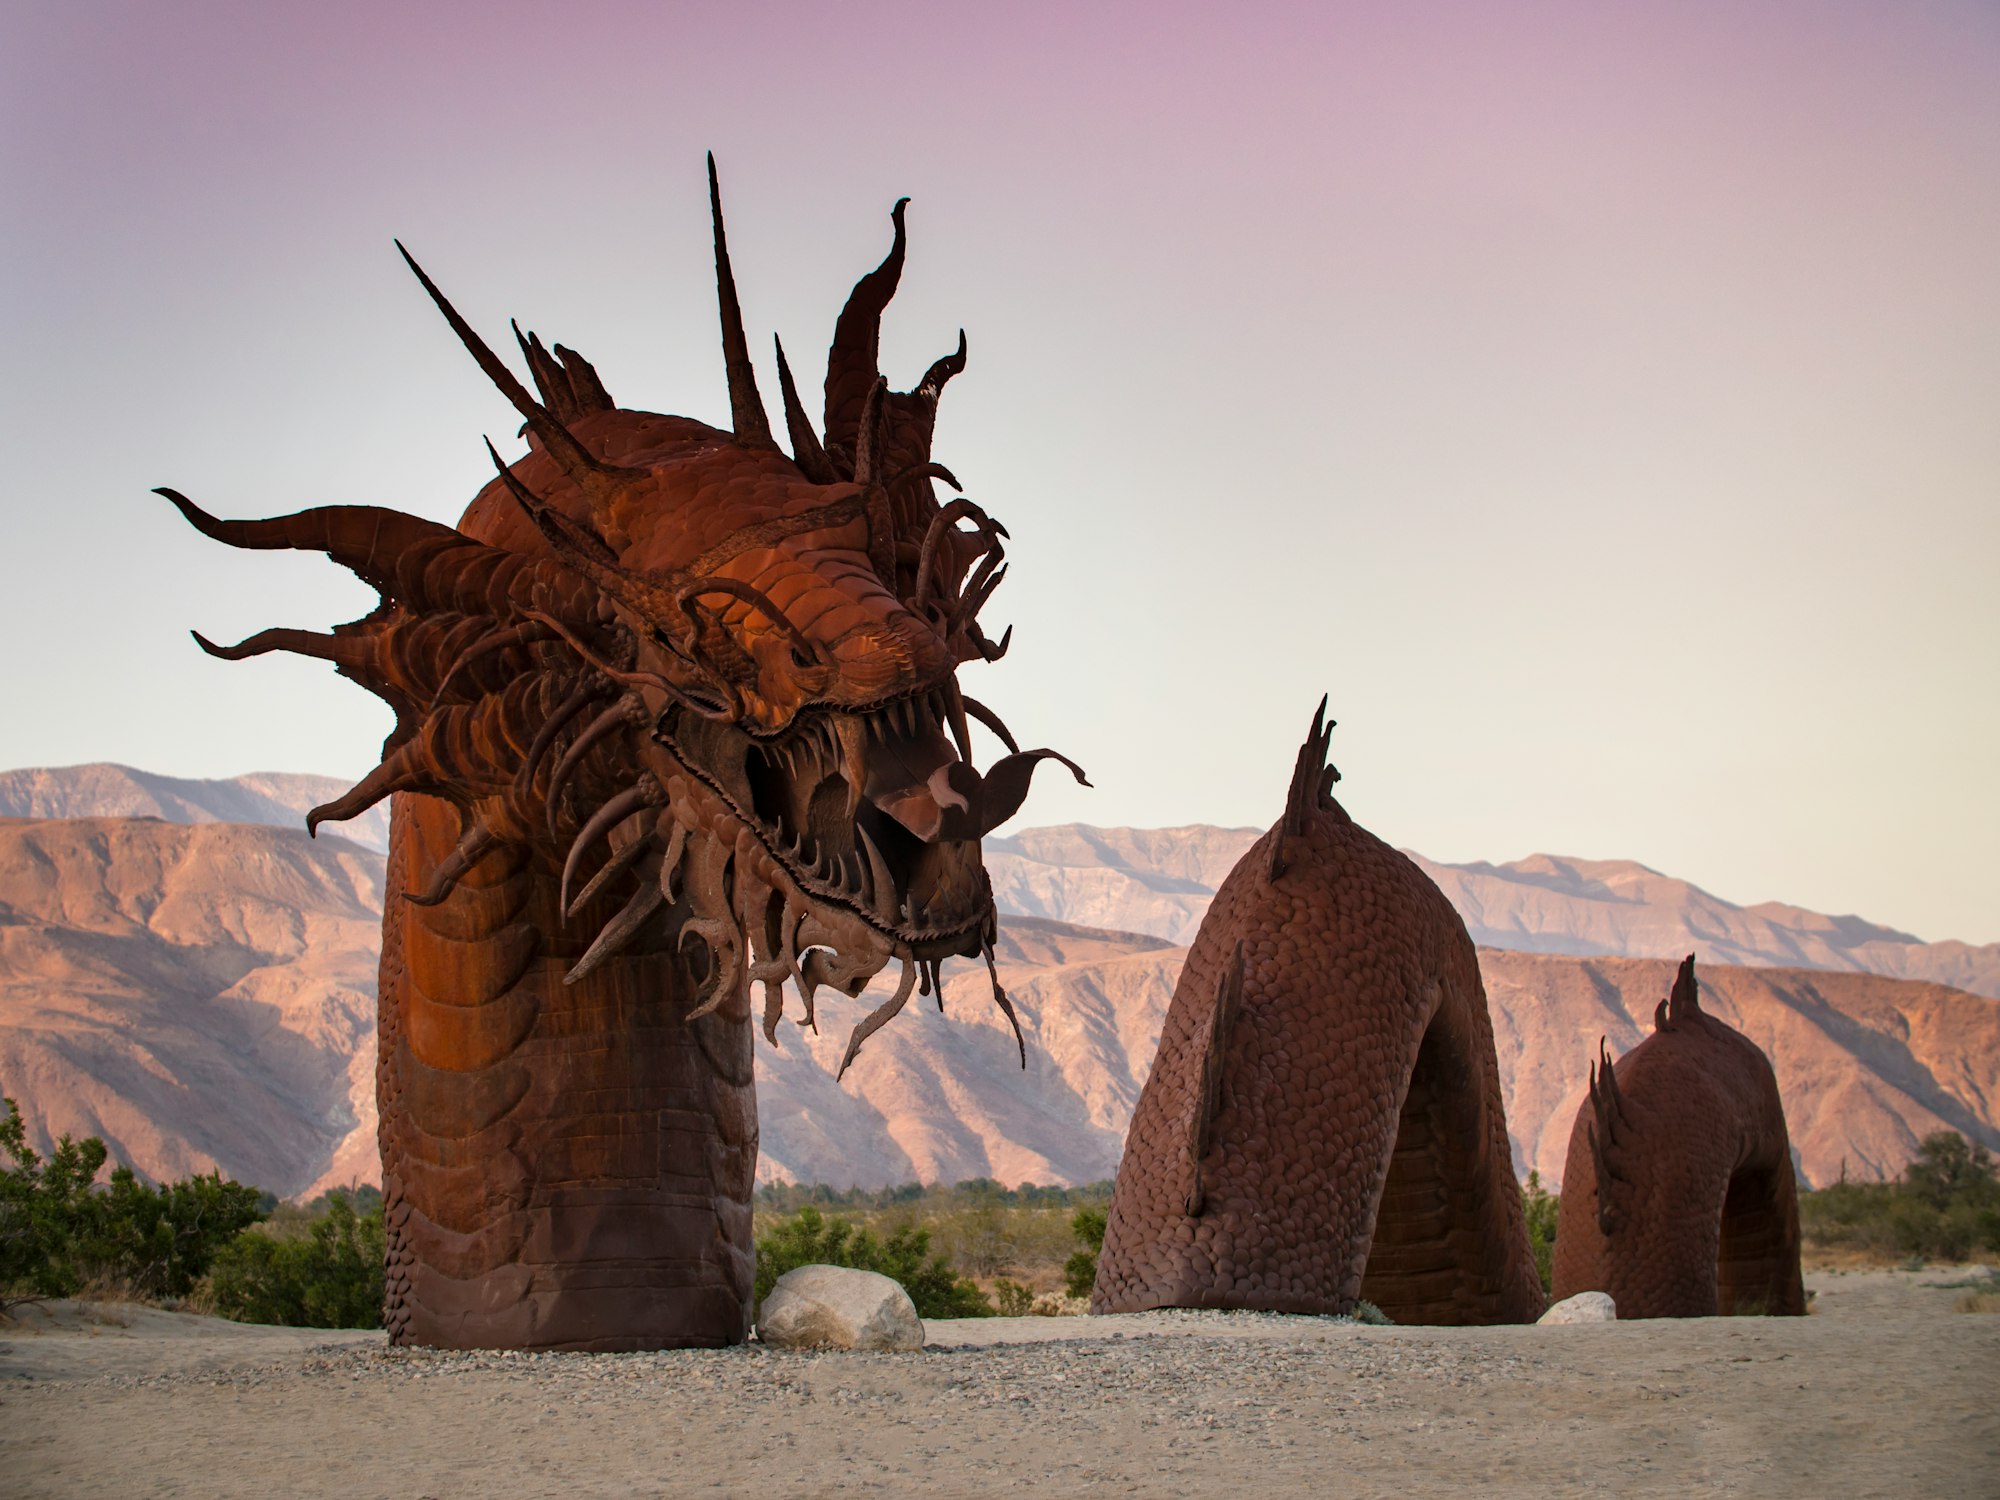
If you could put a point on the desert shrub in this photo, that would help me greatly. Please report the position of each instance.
(1950, 1171)
(985, 1230)
(1541, 1206)
(328, 1277)
(1080, 1270)
(808, 1238)
(1946, 1206)
(62, 1232)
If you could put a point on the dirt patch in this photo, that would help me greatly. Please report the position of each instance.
(1886, 1390)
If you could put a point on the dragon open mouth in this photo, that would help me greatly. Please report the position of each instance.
(879, 811)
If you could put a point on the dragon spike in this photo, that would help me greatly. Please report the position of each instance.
(420, 563)
(746, 408)
(574, 544)
(645, 792)
(582, 550)
(803, 654)
(940, 524)
(595, 478)
(868, 440)
(625, 713)
(478, 842)
(853, 364)
(992, 721)
(402, 770)
(1309, 784)
(619, 931)
(592, 687)
(882, 1014)
(1000, 999)
(807, 452)
(988, 650)
(615, 866)
(366, 539)
(568, 384)
(1686, 998)
(583, 379)
(1604, 1095)
(344, 652)
(975, 599)
(670, 863)
(934, 378)
(524, 634)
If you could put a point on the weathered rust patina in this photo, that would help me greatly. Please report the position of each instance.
(676, 714)
(1323, 1122)
(1679, 1197)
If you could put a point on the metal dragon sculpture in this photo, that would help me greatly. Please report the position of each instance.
(1323, 1122)
(1679, 1195)
(676, 714)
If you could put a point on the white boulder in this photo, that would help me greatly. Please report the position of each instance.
(834, 1307)
(1584, 1307)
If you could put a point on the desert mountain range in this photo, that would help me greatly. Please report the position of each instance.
(1160, 880)
(104, 790)
(200, 993)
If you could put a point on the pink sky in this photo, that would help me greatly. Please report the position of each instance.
(1598, 400)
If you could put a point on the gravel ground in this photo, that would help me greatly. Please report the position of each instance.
(1885, 1391)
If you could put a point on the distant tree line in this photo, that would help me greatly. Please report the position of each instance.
(1945, 1206)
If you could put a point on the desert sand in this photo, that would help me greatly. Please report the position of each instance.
(1885, 1391)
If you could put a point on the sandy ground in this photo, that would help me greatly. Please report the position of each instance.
(1885, 1391)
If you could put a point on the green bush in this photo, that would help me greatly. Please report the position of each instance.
(1946, 1206)
(1080, 1270)
(62, 1234)
(328, 1277)
(808, 1238)
(1541, 1206)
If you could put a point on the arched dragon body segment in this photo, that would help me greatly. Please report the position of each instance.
(676, 714)
(1323, 1121)
(1678, 1195)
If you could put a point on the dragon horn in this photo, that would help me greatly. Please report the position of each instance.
(1686, 997)
(596, 479)
(806, 450)
(746, 408)
(868, 443)
(852, 366)
(941, 371)
(569, 386)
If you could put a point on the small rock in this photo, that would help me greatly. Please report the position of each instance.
(838, 1308)
(1584, 1307)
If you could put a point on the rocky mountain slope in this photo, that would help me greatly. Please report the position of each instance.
(1160, 880)
(104, 790)
(202, 996)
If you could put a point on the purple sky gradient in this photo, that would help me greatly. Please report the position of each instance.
(1601, 401)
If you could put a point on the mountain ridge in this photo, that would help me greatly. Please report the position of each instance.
(1160, 881)
(202, 996)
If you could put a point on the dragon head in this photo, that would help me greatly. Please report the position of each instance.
(711, 687)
